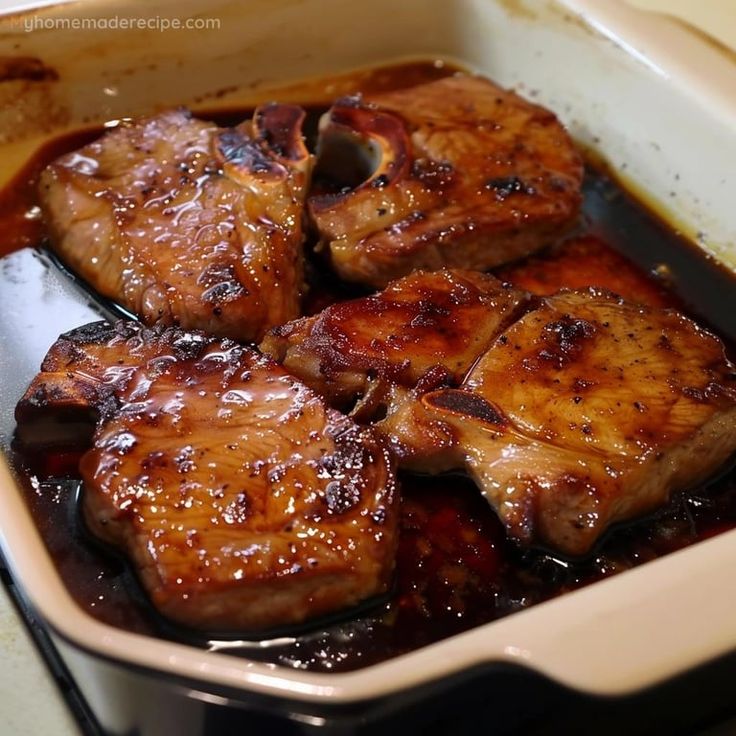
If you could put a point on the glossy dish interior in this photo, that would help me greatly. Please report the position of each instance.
(539, 637)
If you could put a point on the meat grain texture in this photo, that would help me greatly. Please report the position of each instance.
(571, 412)
(423, 331)
(464, 174)
(243, 502)
(185, 223)
(587, 411)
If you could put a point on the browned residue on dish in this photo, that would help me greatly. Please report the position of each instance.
(368, 80)
(26, 68)
(518, 9)
(29, 102)
(30, 108)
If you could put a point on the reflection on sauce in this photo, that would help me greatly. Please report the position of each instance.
(455, 568)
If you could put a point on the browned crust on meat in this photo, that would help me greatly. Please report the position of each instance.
(423, 331)
(185, 223)
(242, 501)
(469, 176)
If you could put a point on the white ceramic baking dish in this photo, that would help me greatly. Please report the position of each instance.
(657, 103)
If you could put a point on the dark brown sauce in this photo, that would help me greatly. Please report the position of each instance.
(456, 569)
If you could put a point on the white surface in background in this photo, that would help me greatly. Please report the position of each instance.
(16, 5)
(30, 703)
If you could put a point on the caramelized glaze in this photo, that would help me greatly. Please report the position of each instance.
(428, 327)
(455, 569)
(466, 175)
(242, 502)
(560, 267)
(589, 410)
(183, 222)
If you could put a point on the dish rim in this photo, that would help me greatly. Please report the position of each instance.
(537, 638)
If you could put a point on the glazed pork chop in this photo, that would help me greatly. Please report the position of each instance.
(458, 173)
(586, 411)
(242, 501)
(582, 262)
(423, 331)
(185, 223)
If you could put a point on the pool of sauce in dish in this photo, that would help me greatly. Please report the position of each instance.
(455, 569)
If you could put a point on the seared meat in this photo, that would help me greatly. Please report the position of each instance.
(186, 223)
(583, 262)
(243, 502)
(423, 331)
(465, 175)
(586, 411)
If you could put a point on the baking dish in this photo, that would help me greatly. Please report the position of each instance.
(637, 92)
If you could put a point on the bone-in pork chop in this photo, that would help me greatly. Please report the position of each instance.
(185, 223)
(459, 173)
(586, 411)
(243, 502)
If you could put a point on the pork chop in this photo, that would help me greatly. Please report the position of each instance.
(241, 500)
(585, 261)
(423, 331)
(585, 412)
(458, 173)
(185, 223)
